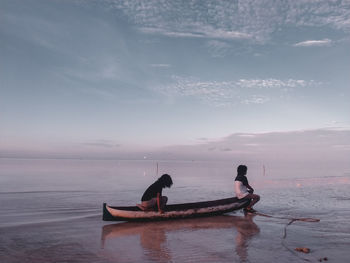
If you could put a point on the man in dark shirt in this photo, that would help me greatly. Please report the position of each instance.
(152, 197)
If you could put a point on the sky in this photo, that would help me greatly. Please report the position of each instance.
(174, 78)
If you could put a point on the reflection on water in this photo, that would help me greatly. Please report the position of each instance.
(246, 229)
(153, 235)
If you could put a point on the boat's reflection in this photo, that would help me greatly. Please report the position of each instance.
(153, 236)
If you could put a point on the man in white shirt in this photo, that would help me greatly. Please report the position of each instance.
(244, 190)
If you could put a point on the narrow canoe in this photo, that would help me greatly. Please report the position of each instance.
(186, 210)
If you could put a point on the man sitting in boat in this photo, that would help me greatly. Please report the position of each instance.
(244, 190)
(152, 198)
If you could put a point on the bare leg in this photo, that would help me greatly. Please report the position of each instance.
(254, 199)
(163, 201)
(148, 205)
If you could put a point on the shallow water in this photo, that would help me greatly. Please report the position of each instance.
(51, 212)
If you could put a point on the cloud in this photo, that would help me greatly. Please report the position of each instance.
(319, 147)
(160, 31)
(256, 100)
(95, 69)
(198, 32)
(226, 149)
(160, 65)
(248, 135)
(33, 29)
(231, 20)
(273, 83)
(342, 146)
(102, 144)
(314, 43)
(252, 144)
(218, 48)
(233, 92)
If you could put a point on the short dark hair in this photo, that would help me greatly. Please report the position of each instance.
(242, 169)
(165, 180)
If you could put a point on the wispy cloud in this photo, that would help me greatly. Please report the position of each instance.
(33, 29)
(218, 48)
(301, 145)
(160, 65)
(273, 83)
(226, 149)
(95, 69)
(200, 31)
(228, 93)
(256, 100)
(314, 43)
(102, 143)
(247, 135)
(230, 20)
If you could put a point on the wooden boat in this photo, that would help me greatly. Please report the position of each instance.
(174, 211)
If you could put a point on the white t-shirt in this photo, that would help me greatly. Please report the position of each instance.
(241, 190)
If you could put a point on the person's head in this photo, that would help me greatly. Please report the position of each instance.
(165, 180)
(242, 170)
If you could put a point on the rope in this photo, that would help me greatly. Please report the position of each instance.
(304, 219)
(291, 221)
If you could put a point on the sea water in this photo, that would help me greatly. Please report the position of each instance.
(51, 211)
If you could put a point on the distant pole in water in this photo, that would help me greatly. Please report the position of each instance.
(263, 170)
(157, 169)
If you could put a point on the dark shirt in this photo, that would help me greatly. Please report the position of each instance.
(152, 191)
(243, 179)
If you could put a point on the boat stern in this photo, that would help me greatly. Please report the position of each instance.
(106, 215)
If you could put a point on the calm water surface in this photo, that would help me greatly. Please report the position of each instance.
(51, 212)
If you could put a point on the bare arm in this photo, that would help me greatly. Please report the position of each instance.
(158, 203)
(250, 189)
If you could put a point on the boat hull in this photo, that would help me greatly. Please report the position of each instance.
(176, 211)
